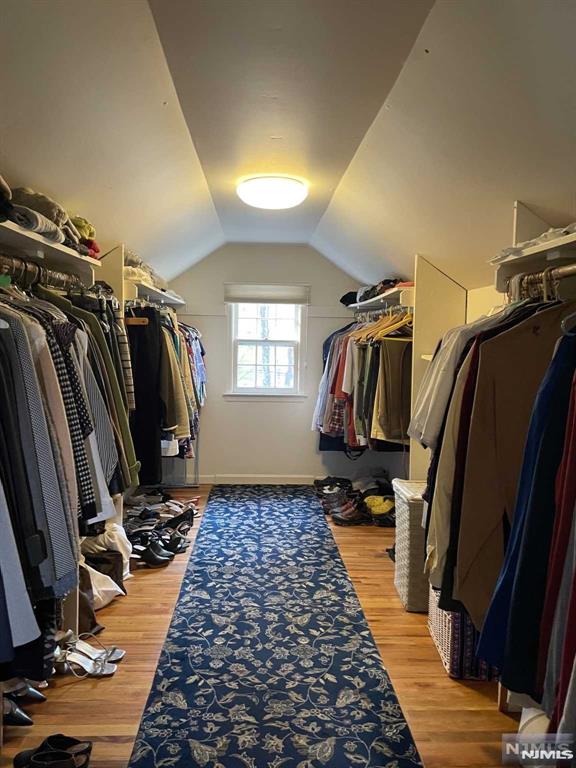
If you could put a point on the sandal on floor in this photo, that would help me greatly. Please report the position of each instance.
(111, 654)
(75, 663)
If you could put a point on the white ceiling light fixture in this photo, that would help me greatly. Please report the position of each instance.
(272, 192)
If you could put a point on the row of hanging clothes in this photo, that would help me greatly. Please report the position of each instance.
(169, 385)
(364, 394)
(497, 408)
(66, 450)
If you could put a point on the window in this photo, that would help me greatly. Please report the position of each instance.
(267, 342)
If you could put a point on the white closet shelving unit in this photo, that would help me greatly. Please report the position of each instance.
(553, 253)
(430, 323)
(17, 241)
(145, 291)
(401, 296)
(128, 290)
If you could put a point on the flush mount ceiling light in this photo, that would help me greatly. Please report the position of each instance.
(272, 192)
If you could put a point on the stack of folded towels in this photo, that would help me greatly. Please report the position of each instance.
(38, 213)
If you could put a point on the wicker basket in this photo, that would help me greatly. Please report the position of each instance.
(456, 638)
(409, 578)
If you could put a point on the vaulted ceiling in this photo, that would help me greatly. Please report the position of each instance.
(417, 126)
(289, 86)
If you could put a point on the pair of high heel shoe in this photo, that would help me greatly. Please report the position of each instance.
(13, 713)
(155, 542)
(74, 655)
(57, 751)
(156, 549)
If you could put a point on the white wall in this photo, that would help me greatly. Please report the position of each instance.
(247, 440)
(481, 300)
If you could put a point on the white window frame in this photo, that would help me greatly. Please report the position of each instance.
(299, 354)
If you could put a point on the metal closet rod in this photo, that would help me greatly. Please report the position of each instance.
(27, 273)
(556, 273)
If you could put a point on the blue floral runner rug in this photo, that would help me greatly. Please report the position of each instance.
(269, 662)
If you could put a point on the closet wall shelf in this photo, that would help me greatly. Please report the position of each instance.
(155, 294)
(17, 241)
(538, 257)
(402, 296)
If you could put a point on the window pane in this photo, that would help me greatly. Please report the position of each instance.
(285, 311)
(247, 310)
(265, 354)
(246, 354)
(284, 355)
(284, 330)
(285, 377)
(246, 376)
(248, 329)
(265, 376)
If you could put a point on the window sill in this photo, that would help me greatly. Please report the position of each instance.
(260, 397)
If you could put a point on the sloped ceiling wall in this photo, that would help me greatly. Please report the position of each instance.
(282, 86)
(482, 113)
(89, 115)
(486, 117)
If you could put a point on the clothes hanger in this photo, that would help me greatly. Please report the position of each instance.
(566, 323)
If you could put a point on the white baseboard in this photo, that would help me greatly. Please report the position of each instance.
(256, 479)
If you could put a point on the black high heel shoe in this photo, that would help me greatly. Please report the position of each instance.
(175, 543)
(187, 516)
(147, 548)
(14, 715)
(26, 693)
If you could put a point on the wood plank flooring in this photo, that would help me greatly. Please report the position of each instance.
(455, 725)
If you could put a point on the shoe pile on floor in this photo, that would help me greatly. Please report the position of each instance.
(367, 501)
(72, 656)
(157, 527)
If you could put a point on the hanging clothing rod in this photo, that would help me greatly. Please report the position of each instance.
(523, 284)
(28, 273)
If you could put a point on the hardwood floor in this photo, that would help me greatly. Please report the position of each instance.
(455, 725)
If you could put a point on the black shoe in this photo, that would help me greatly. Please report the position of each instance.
(175, 543)
(57, 743)
(184, 517)
(341, 481)
(354, 516)
(54, 760)
(148, 546)
(14, 715)
(26, 693)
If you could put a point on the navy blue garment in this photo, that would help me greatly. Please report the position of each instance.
(509, 638)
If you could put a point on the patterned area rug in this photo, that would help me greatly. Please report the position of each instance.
(269, 662)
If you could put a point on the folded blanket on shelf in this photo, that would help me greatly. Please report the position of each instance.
(90, 243)
(85, 229)
(40, 203)
(70, 234)
(36, 222)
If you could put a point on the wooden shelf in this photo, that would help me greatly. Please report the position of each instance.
(536, 258)
(16, 241)
(393, 296)
(155, 294)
